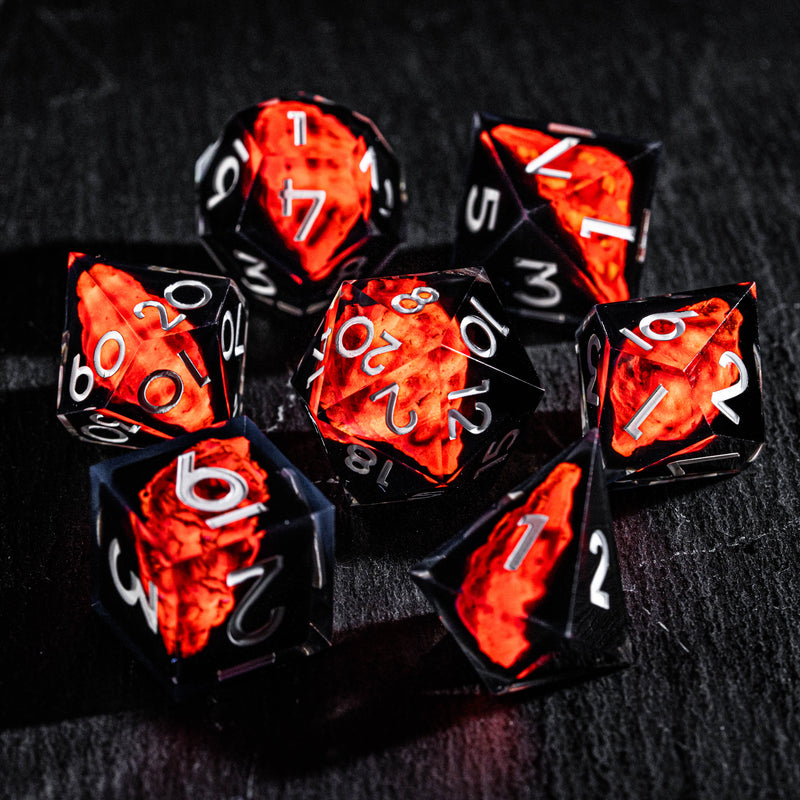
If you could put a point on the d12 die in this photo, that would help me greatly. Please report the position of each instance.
(148, 353)
(213, 555)
(297, 194)
(531, 591)
(557, 215)
(674, 383)
(416, 383)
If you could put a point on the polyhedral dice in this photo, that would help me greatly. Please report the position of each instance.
(148, 352)
(416, 383)
(531, 591)
(674, 383)
(296, 195)
(212, 555)
(558, 216)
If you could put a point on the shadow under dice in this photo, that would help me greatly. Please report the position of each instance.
(416, 383)
(531, 591)
(213, 555)
(297, 194)
(674, 384)
(148, 353)
(557, 215)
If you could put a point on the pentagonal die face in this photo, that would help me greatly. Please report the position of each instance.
(557, 215)
(531, 591)
(213, 555)
(674, 384)
(148, 353)
(297, 194)
(416, 383)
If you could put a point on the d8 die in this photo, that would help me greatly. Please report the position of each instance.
(416, 383)
(531, 591)
(213, 555)
(148, 353)
(297, 194)
(557, 215)
(674, 383)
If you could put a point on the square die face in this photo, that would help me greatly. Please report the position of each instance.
(674, 376)
(558, 215)
(147, 352)
(214, 558)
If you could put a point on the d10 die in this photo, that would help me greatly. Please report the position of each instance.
(557, 215)
(147, 352)
(213, 555)
(674, 383)
(416, 383)
(297, 194)
(531, 591)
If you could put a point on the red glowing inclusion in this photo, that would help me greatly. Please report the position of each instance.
(318, 155)
(599, 187)
(189, 561)
(106, 299)
(425, 371)
(500, 594)
(686, 366)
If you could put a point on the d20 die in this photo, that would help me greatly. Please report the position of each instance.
(213, 555)
(531, 591)
(148, 353)
(416, 383)
(297, 194)
(674, 383)
(557, 215)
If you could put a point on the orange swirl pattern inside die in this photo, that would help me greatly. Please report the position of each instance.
(187, 558)
(507, 576)
(688, 367)
(599, 186)
(136, 351)
(315, 180)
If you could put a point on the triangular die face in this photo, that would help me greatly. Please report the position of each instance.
(538, 278)
(480, 330)
(598, 618)
(489, 207)
(649, 411)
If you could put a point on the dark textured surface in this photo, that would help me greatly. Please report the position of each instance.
(103, 110)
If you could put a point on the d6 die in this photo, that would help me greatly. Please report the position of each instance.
(557, 215)
(213, 555)
(416, 383)
(148, 353)
(531, 591)
(674, 383)
(297, 194)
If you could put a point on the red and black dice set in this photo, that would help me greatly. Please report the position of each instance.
(213, 555)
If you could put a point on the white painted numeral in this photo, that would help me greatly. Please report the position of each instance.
(537, 166)
(300, 126)
(319, 355)
(108, 430)
(166, 323)
(591, 225)
(548, 292)
(264, 572)
(647, 408)
(392, 390)
(134, 593)
(675, 318)
(361, 460)
(597, 596)
(421, 296)
(485, 322)
(534, 525)
(592, 345)
(490, 203)
(497, 452)
(288, 194)
(255, 277)
(232, 334)
(719, 397)
(227, 174)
